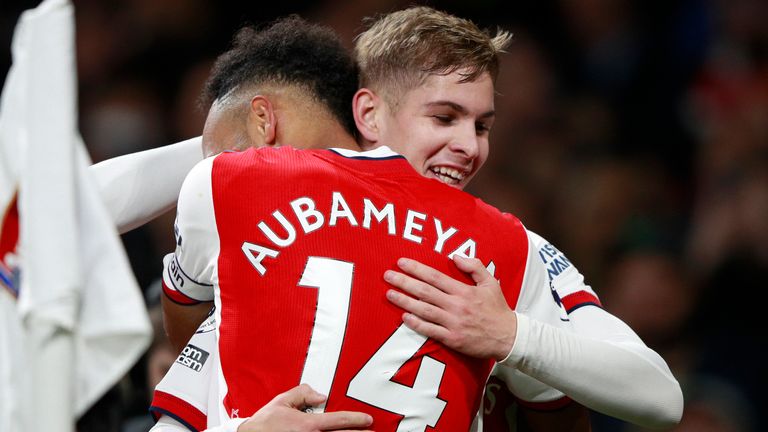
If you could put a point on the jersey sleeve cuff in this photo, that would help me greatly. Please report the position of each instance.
(178, 409)
(177, 297)
(579, 299)
(520, 346)
(179, 287)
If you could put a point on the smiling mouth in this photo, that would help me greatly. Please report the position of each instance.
(450, 176)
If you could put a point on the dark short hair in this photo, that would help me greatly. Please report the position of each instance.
(289, 51)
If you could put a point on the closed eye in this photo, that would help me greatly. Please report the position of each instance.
(482, 128)
(443, 119)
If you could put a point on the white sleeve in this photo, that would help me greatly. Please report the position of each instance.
(567, 282)
(535, 299)
(185, 389)
(197, 240)
(168, 424)
(138, 187)
(599, 362)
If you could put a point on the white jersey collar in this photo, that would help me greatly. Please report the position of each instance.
(382, 152)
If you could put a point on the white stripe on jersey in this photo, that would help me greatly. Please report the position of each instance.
(377, 153)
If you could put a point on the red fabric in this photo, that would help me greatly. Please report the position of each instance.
(165, 403)
(267, 321)
(578, 299)
(498, 401)
(9, 239)
(178, 297)
(498, 413)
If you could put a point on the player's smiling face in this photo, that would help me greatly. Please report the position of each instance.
(442, 127)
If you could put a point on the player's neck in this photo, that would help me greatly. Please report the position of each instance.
(339, 138)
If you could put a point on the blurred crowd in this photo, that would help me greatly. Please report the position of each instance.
(633, 135)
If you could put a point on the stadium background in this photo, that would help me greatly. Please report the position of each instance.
(633, 135)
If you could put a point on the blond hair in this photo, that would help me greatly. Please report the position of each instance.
(401, 49)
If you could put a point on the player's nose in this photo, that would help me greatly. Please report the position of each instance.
(466, 141)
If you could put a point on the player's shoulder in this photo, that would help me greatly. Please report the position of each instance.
(495, 211)
(380, 162)
(199, 177)
(269, 159)
(256, 155)
(492, 212)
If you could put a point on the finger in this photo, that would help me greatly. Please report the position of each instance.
(422, 309)
(417, 288)
(474, 267)
(425, 328)
(300, 396)
(341, 419)
(430, 276)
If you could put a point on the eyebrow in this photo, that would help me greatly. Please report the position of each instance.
(459, 108)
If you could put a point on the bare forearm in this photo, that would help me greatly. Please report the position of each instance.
(181, 321)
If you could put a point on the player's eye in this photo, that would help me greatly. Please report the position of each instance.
(443, 119)
(482, 128)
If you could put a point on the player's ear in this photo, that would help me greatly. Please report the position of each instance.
(365, 107)
(262, 121)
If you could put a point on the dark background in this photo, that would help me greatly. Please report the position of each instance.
(631, 134)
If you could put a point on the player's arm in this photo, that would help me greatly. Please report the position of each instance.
(190, 383)
(604, 366)
(181, 321)
(182, 314)
(284, 412)
(180, 400)
(189, 273)
(631, 381)
(138, 187)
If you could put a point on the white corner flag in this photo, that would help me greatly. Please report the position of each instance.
(72, 315)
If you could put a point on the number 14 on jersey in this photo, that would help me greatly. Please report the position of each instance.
(373, 384)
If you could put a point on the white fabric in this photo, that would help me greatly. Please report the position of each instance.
(535, 300)
(563, 275)
(15, 388)
(187, 380)
(600, 362)
(167, 424)
(138, 187)
(82, 311)
(592, 367)
(197, 252)
(378, 153)
(198, 262)
(198, 226)
(604, 366)
(175, 279)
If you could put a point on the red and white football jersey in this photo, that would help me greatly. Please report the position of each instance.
(569, 290)
(292, 246)
(188, 389)
(9, 240)
(566, 280)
